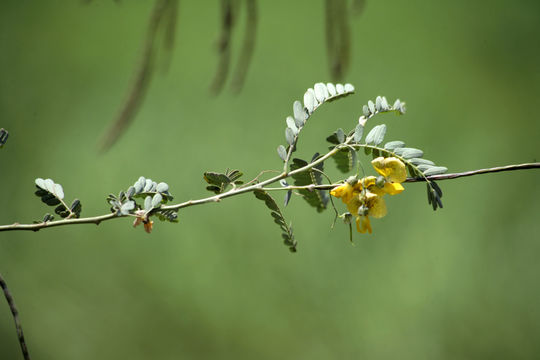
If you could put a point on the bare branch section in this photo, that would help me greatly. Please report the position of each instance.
(261, 186)
(15, 314)
(163, 15)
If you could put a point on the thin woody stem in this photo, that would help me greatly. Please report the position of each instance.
(216, 198)
(15, 314)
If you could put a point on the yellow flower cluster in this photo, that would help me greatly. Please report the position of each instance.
(364, 197)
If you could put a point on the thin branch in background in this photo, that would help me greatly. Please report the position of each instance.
(338, 39)
(15, 314)
(228, 20)
(247, 46)
(3, 137)
(144, 71)
(358, 7)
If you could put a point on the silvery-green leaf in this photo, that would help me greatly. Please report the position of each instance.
(309, 102)
(138, 187)
(394, 145)
(340, 89)
(147, 185)
(424, 167)
(148, 203)
(126, 207)
(371, 106)
(162, 187)
(384, 104)
(436, 170)
(289, 136)
(320, 92)
(156, 200)
(397, 104)
(358, 132)
(376, 135)
(365, 110)
(299, 112)
(378, 103)
(409, 153)
(340, 135)
(282, 152)
(291, 123)
(331, 89)
(418, 161)
(58, 191)
(49, 185)
(154, 186)
(310, 90)
(348, 88)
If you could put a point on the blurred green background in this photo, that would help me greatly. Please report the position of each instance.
(461, 283)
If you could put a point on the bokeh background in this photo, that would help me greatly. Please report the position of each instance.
(461, 283)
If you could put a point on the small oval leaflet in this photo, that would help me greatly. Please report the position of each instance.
(358, 132)
(309, 102)
(340, 89)
(365, 110)
(418, 161)
(320, 92)
(376, 135)
(127, 206)
(156, 200)
(291, 123)
(289, 136)
(371, 106)
(299, 112)
(148, 203)
(348, 88)
(162, 187)
(409, 153)
(394, 145)
(436, 170)
(331, 89)
(282, 152)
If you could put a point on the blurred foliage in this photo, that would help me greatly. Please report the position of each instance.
(458, 283)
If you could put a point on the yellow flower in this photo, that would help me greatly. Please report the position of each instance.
(391, 168)
(364, 197)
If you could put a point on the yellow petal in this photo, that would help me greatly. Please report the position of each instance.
(391, 168)
(363, 224)
(376, 205)
(354, 204)
(379, 165)
(344, 192)
(393, 188)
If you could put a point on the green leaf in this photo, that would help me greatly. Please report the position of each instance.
(76, 208)
(345, 160)
(282, 152)
(436, 170)
(292, 124)
(331, 89)
(321, 92)
(167, 215)
(315, 198)
(287, 235)
(162, 187)
(358, 133)
(418, 161)
(289, 136)
(127, 207)
(376, 135)
(309, 101)
(156, 200)
(49, 192)
(3, 137)
(394, 145)
(148, 203)
(410, 153)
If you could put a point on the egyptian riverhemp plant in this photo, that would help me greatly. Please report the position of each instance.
(394, 164)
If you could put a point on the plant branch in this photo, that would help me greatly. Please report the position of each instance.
(261, 186)
(15, 314)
